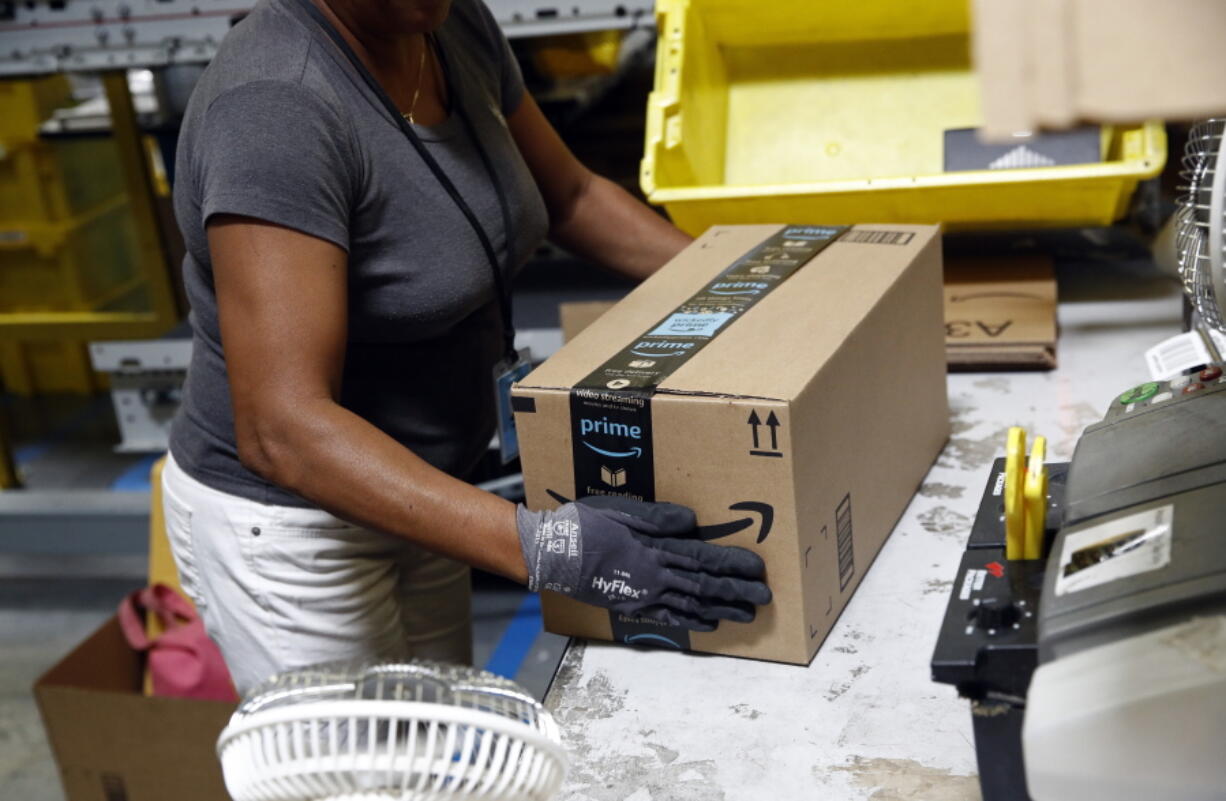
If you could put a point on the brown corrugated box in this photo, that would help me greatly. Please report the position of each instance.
(575, 316)
(1054, 63)
(112, 743)
(824, 404)
(1000, 314)
(112, 740)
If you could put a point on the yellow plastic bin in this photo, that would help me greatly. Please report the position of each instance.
(813, 110)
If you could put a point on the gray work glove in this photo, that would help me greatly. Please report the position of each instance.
(640, 559)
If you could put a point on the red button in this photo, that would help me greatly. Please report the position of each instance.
(1190, 388)
(1211, 373)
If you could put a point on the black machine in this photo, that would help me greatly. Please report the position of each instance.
(1085, 668)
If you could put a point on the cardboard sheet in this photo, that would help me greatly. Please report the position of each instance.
(1000, 314)
(1052, 63)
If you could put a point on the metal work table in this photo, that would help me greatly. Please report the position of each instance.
(863, 720)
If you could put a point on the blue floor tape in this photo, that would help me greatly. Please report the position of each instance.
(136, 477)
(518, 638)
(28, 453)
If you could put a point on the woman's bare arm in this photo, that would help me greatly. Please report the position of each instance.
(281, 297)
(589, 215)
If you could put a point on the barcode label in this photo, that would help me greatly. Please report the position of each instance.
(847, 557)
(878, 237)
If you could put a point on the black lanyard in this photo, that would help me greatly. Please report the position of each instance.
(500, 280)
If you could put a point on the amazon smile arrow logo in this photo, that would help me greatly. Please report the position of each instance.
(636, 451)
(720, 530)
(765, 512)
(658, 355)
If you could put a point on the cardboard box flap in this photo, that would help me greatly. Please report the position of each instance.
(779, 344)
(103, 662)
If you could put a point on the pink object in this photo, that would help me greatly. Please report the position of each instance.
(183, 661)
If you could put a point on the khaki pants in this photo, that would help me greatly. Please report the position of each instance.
(280, 587)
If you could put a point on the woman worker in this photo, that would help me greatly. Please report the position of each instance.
(348, 313)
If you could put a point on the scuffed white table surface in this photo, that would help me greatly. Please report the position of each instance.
(863, 721)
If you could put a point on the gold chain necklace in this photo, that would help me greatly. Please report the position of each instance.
(421, 68)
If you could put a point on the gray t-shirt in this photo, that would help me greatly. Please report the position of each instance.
(281, 128)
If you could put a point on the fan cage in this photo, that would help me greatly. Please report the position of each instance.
(1197, 223)
(403, 732)
(388, 750)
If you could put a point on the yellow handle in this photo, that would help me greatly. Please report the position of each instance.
(1035, 500)
(1015, 510)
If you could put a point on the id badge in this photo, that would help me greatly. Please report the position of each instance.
(506, 373)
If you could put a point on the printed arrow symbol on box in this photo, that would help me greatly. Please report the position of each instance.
(755, 421)
(773, 422)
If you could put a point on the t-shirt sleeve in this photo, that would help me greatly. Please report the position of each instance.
(275, 151)
(511, 79)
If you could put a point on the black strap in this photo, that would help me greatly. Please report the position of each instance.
(500, 280)
(504, 207)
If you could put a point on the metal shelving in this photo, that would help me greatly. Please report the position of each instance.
(44, 36)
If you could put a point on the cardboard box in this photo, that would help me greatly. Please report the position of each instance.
(1000, 314)
(1053, 63)
(578, 315)
(796, 416)
(112, 743)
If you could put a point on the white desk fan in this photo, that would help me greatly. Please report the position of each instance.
(1200, 222)
(403, 732)
(1193, 245)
